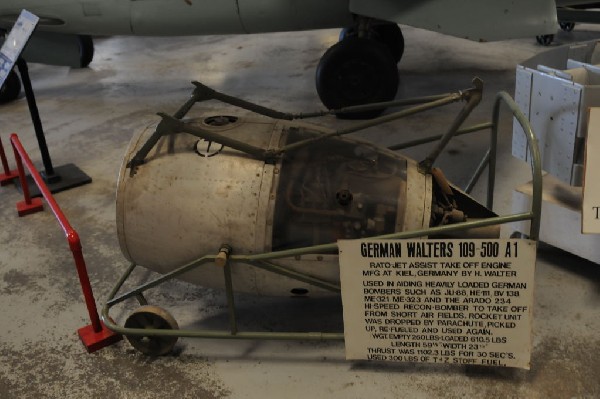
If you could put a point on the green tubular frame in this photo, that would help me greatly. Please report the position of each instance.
(264, 260)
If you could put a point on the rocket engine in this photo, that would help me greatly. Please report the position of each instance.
(193, 195)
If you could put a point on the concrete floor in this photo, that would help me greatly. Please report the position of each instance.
(89, 116)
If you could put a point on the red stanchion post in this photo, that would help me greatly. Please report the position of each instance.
(96, 335)
(9, 175)
(28, 205)
(84, 280)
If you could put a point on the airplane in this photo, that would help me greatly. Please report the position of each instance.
(570, 12)
(360, 68)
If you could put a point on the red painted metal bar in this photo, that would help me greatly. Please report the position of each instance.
(98, 336)
(9, 175)
(28, 205)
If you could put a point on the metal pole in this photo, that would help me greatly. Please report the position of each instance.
(4, 160)
(536, 164)
(425, 140)
(374, 122)
(9, 175)
(230, 298)
(473, 99)
(484, 162)
(238, 102)
(372, 106)
(22, 178)
(37, 123)
(492, 162)
(71, 235)
(84, 280)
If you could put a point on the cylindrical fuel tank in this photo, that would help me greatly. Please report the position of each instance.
(192, 196)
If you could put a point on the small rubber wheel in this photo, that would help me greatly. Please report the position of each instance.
(518, 234)
(11, 88)
(152, 317)
(567, 26)
(357, 71)
(545, 40)
(86, 50)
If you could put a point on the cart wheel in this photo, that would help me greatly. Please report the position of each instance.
(567, 26)
(518, 234)
(545, 40)
(152, 317)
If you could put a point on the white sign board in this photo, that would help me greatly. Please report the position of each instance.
(438, 301)
(15, 42)
(590, 219)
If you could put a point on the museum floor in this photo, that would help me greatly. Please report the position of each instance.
(89, 117)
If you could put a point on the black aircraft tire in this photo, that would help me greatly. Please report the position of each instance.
(11, 88)
(86, 50)
(347, 32)
(545, 40)
(391, 36)
(388, 34)
(357, 71)
(567, 26)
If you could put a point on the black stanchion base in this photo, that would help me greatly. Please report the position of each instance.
(65, 177)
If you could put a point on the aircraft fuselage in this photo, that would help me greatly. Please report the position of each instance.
(360, 69)
(184, 17)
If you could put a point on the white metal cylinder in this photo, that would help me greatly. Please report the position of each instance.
(190, 197)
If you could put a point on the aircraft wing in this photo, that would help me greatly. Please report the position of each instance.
(569, 3)
(480, 20)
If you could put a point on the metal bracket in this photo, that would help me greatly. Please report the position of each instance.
(173, 124)
(473, 97)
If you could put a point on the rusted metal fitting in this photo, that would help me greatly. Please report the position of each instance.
(223, 255)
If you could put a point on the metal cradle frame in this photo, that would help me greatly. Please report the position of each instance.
(265, 260)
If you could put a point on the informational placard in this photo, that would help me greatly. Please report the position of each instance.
(438, 301)
(590, 217)
(15, 42)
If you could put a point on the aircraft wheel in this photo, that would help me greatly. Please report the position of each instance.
(545, 40)
(152, 317)
(86, 50)
(347, 32)
(357, 71)
(391, 36)
(11, 88)
(387, 34)
(567, 26)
